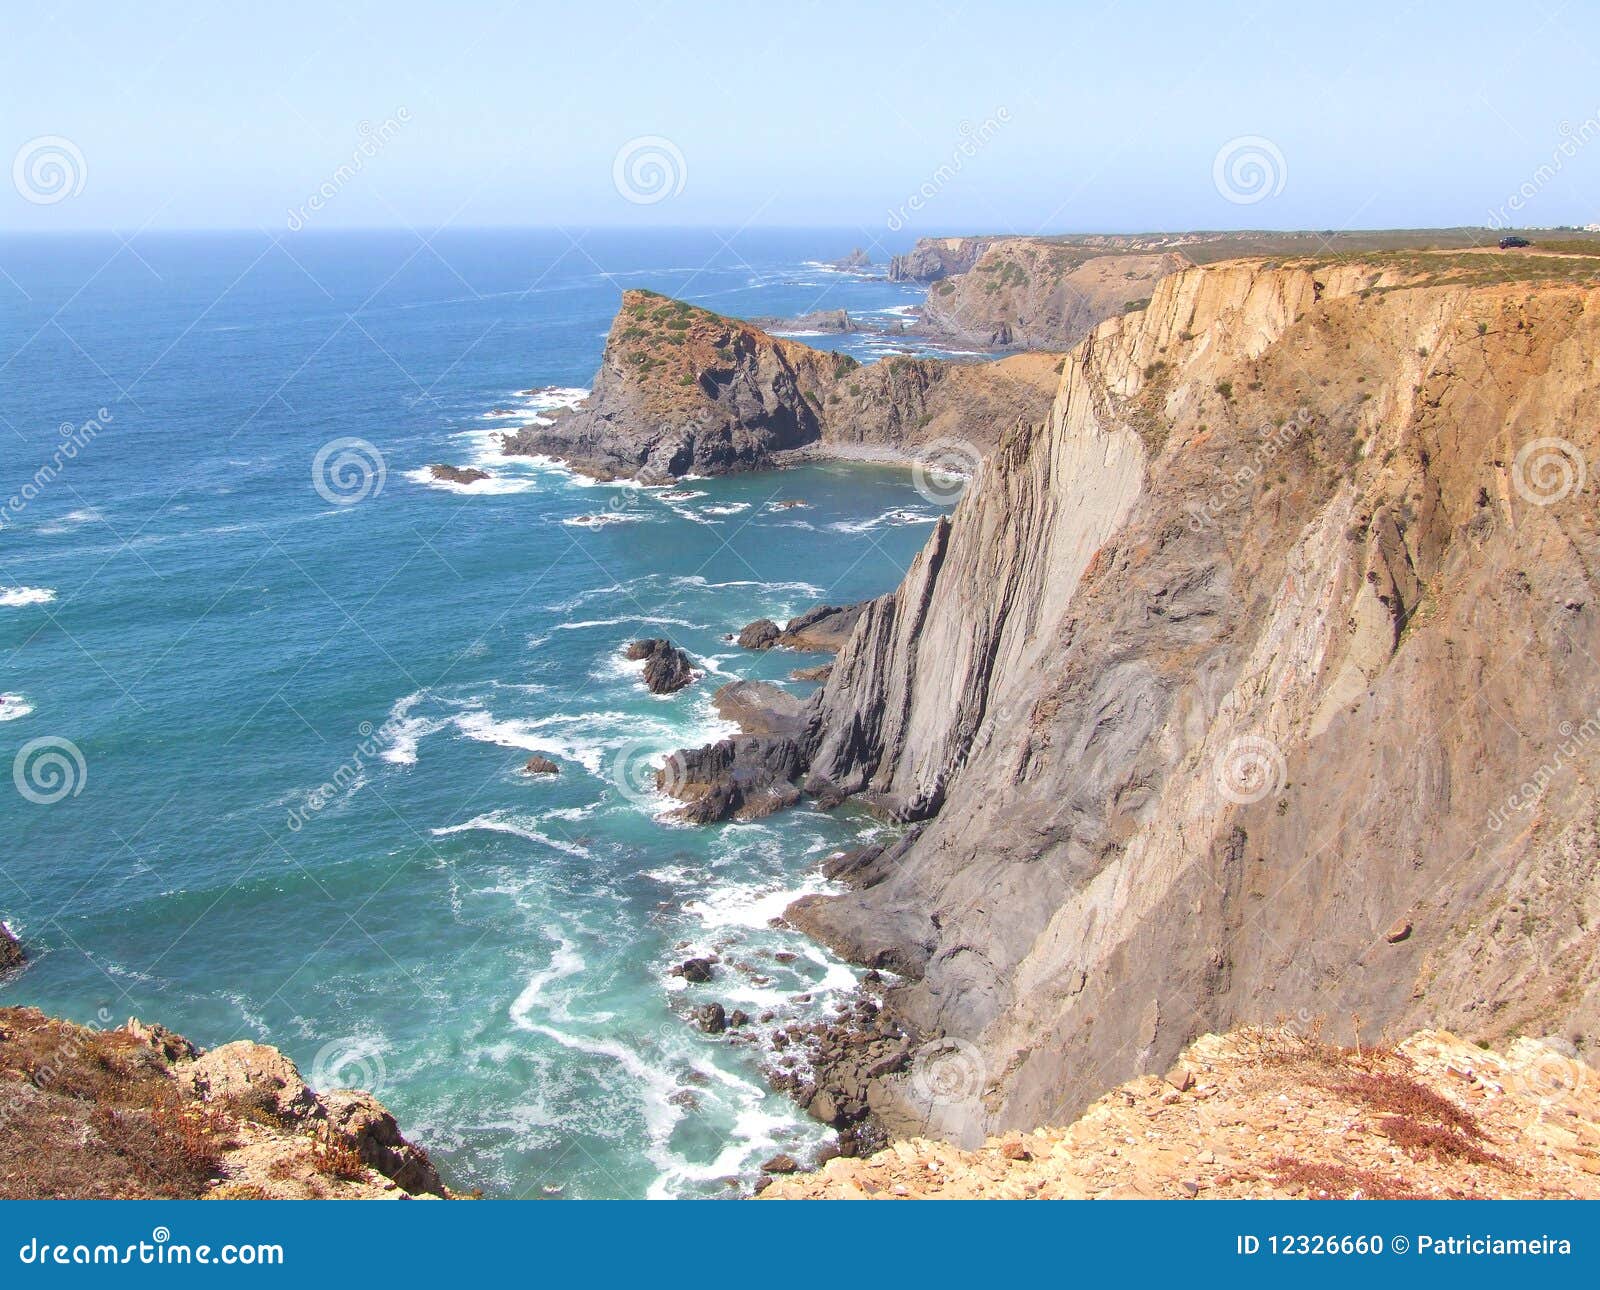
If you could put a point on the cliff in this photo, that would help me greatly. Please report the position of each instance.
(1257, 678)
(139, 1112)
(682, 390)
(933, 258)
(1036, 294)
(1272, 1114)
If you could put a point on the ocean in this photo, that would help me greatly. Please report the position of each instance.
(268, 688)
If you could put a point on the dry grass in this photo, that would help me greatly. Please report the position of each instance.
(93, 1114)
(1402, 1095)
(1323, 1180)
(1419, 1140)
(338, 1158)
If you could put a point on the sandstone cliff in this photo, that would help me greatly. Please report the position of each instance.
(682, 390)
(1036, 294)
(139, 1112)
(1259, 677)
(1271, 1114)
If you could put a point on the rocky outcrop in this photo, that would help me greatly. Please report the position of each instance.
(933, 258)
(11, 955)
(759, 708)
(1269, 1114)
(458, 474)
(821, 629)
(1032, 293)
(682, 390)
(139, 1112)
(540, 765)
(742, 778)
(855, 262)
(667, 669)
(1271, 639)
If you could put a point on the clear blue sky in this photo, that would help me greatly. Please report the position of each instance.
(1108, 116)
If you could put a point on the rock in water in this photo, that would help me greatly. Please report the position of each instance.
(11, 954)
(761, 634)
(458, 474)
(711, 1018)
(667, 668)
(697, 970)
(537, 765)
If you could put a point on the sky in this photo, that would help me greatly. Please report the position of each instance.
(908, 119)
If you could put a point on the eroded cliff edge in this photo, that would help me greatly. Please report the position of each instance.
(138, 1112)
(1259, 679)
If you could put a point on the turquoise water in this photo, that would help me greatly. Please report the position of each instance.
(293, 808)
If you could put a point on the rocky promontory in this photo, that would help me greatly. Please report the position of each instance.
(682, 390)
(139, 1112)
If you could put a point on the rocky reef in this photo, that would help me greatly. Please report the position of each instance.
(140, 1112)
(682, 390)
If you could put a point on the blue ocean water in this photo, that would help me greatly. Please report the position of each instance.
(285, 732)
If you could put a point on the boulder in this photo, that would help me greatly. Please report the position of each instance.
(244, 1073)
(781, 1164)
(761, 634)
(696, 970)
(537, 765)
(667, 668)
(711, 1018)
(374, 1132)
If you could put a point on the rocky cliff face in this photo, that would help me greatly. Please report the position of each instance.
(685, 391)
(933, 258)
(1259, 678)
(1041, 295)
